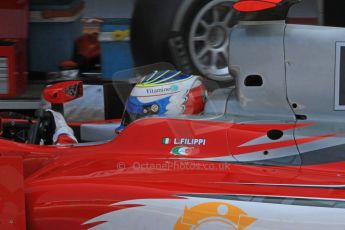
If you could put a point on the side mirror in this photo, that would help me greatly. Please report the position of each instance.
(63, 92)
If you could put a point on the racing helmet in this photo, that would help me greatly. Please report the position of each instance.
(168, 92)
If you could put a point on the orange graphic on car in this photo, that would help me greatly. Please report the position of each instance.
(210, 215)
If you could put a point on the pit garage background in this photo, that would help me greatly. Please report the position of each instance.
(151, 41)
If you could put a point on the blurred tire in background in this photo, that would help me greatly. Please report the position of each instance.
(192, 35)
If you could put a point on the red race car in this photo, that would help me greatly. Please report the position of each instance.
(267, 153)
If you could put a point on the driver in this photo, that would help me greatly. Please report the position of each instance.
(167, 92)
(160, 93)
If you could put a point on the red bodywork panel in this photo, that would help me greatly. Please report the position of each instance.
(12, 202)
(67, 185)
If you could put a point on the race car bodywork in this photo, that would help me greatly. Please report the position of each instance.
(266, 154)
(120, 184)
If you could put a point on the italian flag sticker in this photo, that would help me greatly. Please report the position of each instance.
(166, 141)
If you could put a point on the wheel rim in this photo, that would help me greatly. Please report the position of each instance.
(209, 39)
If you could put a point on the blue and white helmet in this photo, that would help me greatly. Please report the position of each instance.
(167, 92)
